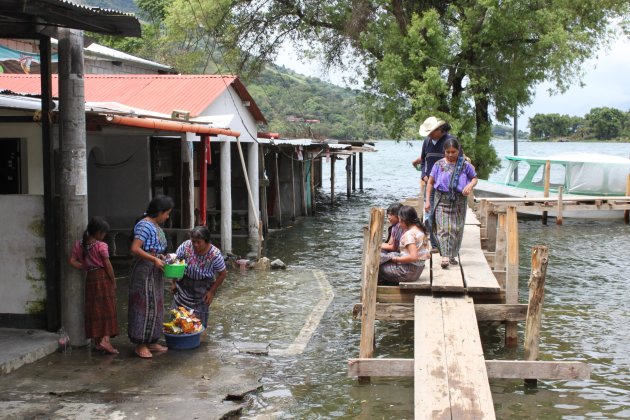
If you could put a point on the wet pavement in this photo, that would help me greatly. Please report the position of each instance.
(209, 382)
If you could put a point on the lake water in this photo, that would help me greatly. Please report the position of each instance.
(586, 316)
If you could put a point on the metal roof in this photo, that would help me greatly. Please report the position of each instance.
(157, 93)
(30, 18)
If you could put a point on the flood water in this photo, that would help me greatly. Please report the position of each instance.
(586, 316)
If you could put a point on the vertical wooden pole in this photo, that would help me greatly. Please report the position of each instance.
(278, 199)
(303, 188)
(361, 171)
(369, 286)
(293, 188)
(354, 172)
(626, 213)
(546, 191)
(540, 257)
(348, 178)
(491, 229)
(255, 227)
(483, 204)
(332, 180)
(263, 192)
(500, 253)
(366, 231)
(202, 163)
(560, 204)
(511, 285)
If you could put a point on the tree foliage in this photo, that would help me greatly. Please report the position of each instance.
(599, 124)
(467, 61)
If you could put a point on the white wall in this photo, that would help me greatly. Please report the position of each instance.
(22, 255)
(224, 105)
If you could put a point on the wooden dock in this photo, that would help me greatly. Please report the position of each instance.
(449, 369)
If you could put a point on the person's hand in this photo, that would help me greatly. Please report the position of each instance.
(467, 189)
(158, 263)
(427, 206)
(208, 297)
(425, 178)
(173, 286)
(416, 162)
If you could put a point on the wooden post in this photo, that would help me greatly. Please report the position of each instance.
(312, 186)
(500, 254)
(366, 231)
(293, 188)
(369, 286)
(255, 228)
(348, 178)
(332, 180)
(511, 284)
(354, 172)
(626, 213)
(263, 193)
(303, 188)
(546, 191)
(361, 171)
(491, 229)
(559, 212)
(540, 257)
(278, 200)
(483, 204)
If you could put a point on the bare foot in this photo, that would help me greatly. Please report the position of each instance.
(142, 352)
(157, 347)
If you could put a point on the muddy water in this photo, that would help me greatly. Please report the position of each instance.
(586, 315)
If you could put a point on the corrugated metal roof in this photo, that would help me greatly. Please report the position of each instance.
(158, 93)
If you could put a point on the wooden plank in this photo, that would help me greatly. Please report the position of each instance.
(446, 280)
(497, 369)
(500, 255)
(478, 276)
(491, 231)
(483, 312)
(431, 385)
(470, 393)
(394, 294)
(511, 283)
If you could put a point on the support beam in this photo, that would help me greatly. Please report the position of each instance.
(560, 205)
(540, 257)
(253, 214)
(369, 285)
(626, 213)
(348, 178)
(546, 188)
(332, 180)
(511, 286)
(187, 181)
(354, 172)
(497, 369)
(361, 171)
(483, 312)
(278, 206)
(226, 196)
(73, 183)
(203, 151)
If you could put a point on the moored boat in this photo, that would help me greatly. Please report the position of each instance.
(580, 175)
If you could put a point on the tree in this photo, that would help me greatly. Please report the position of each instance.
(605, 123)
(468, 61)
(546, 126)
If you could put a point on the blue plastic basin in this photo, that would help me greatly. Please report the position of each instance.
(183, 341)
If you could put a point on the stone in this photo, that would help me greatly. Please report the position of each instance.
(277, 264)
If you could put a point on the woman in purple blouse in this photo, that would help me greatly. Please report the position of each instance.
(453, 179)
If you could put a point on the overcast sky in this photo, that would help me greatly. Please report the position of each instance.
(607, 83)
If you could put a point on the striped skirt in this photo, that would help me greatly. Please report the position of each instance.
(146, 303)
(390, 274)
(100, 305)
(448, 224)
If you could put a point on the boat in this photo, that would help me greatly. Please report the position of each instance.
(581, 175)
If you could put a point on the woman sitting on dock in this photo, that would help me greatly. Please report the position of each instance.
(407, 265)
(453, 179)
(394, 232)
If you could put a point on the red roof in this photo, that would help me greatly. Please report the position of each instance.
(159, 93)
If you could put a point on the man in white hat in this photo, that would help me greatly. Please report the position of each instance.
(436, 133)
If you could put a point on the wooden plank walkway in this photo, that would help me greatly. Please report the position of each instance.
(453, 382)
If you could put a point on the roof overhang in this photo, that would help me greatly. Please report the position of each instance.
(35, 18)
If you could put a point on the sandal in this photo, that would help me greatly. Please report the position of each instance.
(106, 350)
(145, 354)
(453, 261)
(444, 264)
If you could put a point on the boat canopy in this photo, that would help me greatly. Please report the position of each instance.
(578, 173)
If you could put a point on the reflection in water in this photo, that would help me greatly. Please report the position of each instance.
(585, 316)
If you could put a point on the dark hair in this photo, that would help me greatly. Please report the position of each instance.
(200, 232)
(452, 142)
(394, 208)
(409, 215)
(446, 127)
(94, 226)
(158, 205)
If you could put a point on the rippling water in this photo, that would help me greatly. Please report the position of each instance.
(585, 318)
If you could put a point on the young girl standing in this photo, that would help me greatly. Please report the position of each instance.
(91, 255)
(453, 179)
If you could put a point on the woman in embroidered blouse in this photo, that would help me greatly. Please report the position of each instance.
(204, 273)
(146, 285)
(453, 179)
(91, 254)
(414, 250)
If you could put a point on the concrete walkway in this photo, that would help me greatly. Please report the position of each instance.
(24, 346)
(210, 382)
